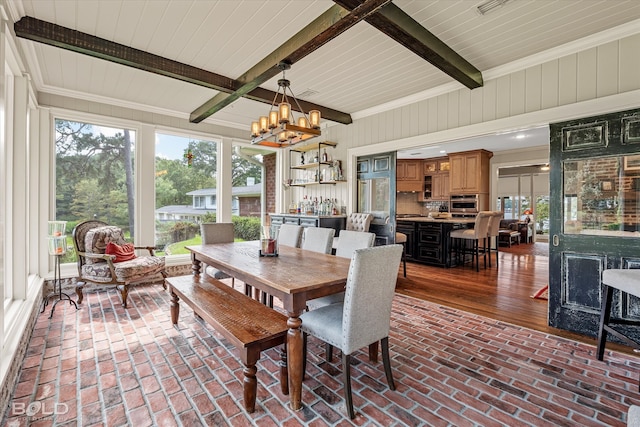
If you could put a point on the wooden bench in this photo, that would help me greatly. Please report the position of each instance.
(250, 326)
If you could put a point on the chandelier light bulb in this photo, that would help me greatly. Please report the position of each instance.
(314, 118)
(273, 119)
(284, 112)
(264, 124)
(255, 129)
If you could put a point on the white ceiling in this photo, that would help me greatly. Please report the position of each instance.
(358, 71)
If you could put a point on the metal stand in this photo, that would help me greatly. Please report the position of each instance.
(57, 283)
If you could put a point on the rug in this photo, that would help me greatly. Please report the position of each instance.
(542, 293)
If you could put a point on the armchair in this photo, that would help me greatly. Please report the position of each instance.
(91, 239)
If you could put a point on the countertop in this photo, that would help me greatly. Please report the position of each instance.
(444, 221)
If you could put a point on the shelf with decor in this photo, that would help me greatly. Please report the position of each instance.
(320, 168)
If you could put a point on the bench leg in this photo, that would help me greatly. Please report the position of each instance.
(175, 308)
(250, 387)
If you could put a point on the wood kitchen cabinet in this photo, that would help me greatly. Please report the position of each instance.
(469, 172)
(436, 179)
(408, 170)
(409, 175)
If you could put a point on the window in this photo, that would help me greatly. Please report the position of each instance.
(185, 183)
(94, 176)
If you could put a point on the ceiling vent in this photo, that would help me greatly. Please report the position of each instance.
(308, 93)
(490, 5)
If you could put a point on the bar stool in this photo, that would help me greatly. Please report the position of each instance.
(624, 280)
(493, 235)
(475, 234)
(402, 239)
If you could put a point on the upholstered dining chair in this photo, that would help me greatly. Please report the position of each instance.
(352, 241)
(217, 232)
(105, 258)
(356, 221)
(475, 235)
(318, 239)
(364, 316)
(290, 235)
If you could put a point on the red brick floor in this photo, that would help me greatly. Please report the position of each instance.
(104, 365)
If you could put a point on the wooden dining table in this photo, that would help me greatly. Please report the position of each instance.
(294, 277)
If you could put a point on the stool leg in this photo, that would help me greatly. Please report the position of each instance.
(605, 315)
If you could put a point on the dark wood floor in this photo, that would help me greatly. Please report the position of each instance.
(503, 294)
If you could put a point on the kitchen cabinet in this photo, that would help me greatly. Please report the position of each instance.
(409, 175)
(408, 228)
(436, 179)
(428, 241)
(316, 168)
(469, 172)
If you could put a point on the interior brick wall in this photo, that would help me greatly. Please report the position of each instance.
(269, 162)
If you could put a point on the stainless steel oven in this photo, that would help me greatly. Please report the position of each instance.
(464, 205)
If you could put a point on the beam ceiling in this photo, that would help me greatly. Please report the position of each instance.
(395, 23)
(55, 35)
(323, 29)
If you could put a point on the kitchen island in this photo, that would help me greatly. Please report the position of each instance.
(428, 239)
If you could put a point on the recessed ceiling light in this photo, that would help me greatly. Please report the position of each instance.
(443, 151)
(520, 136)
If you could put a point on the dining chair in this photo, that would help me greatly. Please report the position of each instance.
(363, 318)
(290, 235)
(474, 235)
(318, 239)
(493, 234)
(356, 221)
(352, 241)
(217, 232)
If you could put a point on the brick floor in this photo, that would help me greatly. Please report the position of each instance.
(107, 366)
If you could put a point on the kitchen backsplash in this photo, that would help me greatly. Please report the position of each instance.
(407, 203)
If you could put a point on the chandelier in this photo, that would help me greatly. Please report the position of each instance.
(280, 128)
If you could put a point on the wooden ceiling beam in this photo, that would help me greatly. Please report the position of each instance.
(333, 22)
(55, 35)
(395, 23)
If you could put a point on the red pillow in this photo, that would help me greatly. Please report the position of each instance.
(122, 253)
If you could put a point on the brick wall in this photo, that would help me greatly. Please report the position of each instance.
(249, 206)
(270, 178)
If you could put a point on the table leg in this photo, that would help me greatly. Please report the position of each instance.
(294, 361)
(196, 265)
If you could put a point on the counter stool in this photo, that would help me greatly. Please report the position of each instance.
(479, 232)
(624, 280)
(401, 238)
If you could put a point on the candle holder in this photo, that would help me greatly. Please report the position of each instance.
(57, 244)
(268, 242)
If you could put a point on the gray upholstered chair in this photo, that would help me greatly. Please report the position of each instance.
(401, 238)
(93, 242)
(350, 241)
(318, 239)
(290, 235)
(217, 232)
(364, 316)
(356, 221)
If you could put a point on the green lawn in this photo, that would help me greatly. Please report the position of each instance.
(179, 247)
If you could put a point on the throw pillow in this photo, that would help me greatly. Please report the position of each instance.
(122, 252)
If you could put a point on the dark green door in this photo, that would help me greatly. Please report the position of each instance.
(594, 215)
(376, 194)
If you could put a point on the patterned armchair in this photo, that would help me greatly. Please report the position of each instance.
(105, 258)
